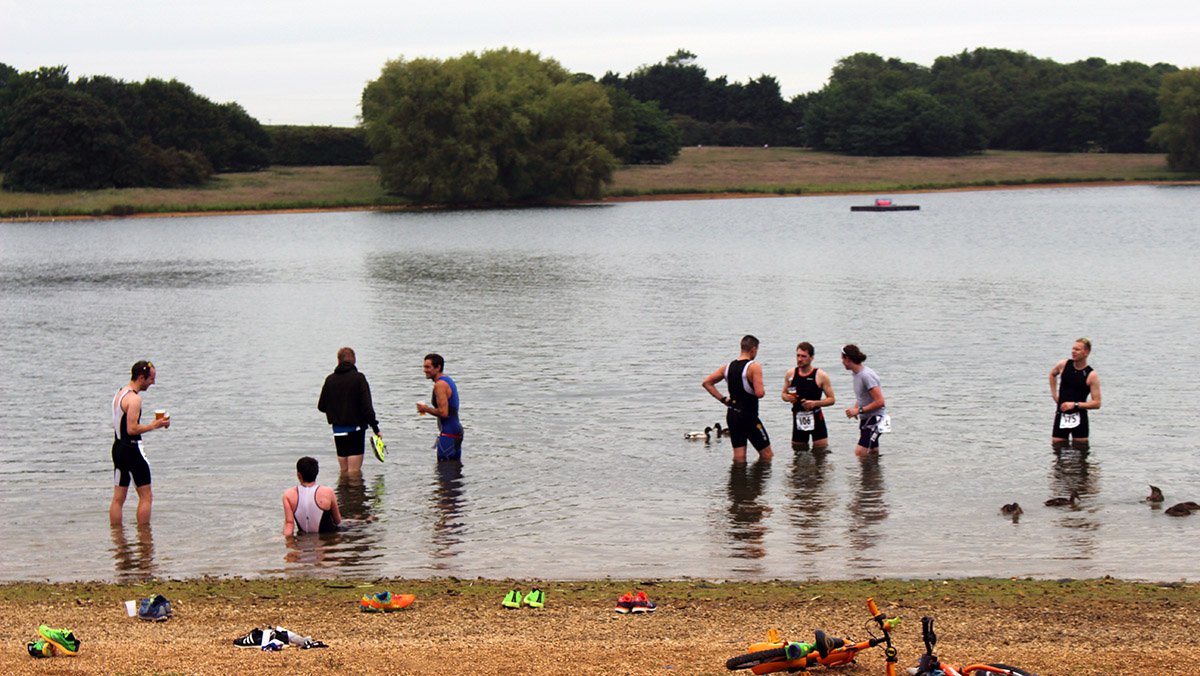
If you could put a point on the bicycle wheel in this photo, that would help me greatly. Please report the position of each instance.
(1014, 670)
(756, 658)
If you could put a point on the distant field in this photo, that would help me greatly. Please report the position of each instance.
(697, 171)
(793, 170)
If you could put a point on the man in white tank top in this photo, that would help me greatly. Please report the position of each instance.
(129, 462)
(309, 508)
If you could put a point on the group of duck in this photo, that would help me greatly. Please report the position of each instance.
(706, 435)
(1155, 498)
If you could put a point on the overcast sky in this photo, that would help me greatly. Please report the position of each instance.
(306, 62)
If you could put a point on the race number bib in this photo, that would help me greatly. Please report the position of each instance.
(884, 425)
(805, 421)
(1068, 421)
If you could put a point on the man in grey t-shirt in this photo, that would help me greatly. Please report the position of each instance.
(869, 406)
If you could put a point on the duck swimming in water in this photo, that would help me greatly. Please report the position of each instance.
(1063, 502)
(1155, 494)
(696, 436)
(1182, 509)
(1014, 510)
(721, 432)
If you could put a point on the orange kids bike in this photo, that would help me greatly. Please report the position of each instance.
(930, 665)
(776, 655)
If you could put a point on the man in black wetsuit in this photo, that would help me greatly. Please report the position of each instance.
(808, 390)
(745, 382)
(1076, 381)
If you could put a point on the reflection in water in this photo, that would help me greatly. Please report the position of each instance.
(810, 499)
(353, 546)
(1072, 471)
(448, 526)
(867, 505)
(746, 513)
(134, 562)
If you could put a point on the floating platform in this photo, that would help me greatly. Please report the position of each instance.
(887, 207)
(885, 204)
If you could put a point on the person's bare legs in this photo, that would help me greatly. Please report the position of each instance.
(145, 499)
(118, 502)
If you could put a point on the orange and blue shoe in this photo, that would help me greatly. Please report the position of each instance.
(624, 603)
(390, 602)
(62, 639)
(642, 604)
(370, 603)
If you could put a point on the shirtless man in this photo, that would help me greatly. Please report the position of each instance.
(808, 390)
(1070, 394)
(129, 461)
(309, 508)
(744, 379)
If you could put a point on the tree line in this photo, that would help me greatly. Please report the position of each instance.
(508, 125)
(964, 103)
(97, 132)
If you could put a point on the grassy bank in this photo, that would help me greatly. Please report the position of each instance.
(457, 626)
(698, 171)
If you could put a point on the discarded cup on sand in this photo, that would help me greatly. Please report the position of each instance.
(131, 608)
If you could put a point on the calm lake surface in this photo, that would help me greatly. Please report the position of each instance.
(578, 338)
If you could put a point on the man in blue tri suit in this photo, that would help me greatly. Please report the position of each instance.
(445, 407)
(744, 378)
(1077, 382)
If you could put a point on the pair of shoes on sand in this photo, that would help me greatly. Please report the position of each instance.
(276, 638)
(635, 603)
(156, 608)
(385, 602)
(51, 642)
(534, 599)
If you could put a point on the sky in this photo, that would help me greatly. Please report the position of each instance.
(306, 62)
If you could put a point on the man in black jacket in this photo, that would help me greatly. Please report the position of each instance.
(346, 402)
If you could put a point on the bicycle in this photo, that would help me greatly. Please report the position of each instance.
(930, 665)
(777, 655)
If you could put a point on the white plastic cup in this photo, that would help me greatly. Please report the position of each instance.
(131, 608)
(422, 403)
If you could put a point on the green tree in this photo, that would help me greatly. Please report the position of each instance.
(650, 135)
(499, 126)
(63, 139)
(1179, 133)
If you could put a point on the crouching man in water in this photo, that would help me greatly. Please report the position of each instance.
(309, 508)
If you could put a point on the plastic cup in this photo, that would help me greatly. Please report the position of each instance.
(422, 403)
(131, 608)
(160, 414)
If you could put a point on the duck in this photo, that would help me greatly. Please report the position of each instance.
(1181, 509)
(1063, 502)
(721, 432)
(1013, 510)
(696, 436)
(1155, 494)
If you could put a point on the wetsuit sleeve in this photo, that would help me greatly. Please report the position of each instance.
(368, 409)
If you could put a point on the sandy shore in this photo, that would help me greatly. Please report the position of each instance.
(1088, 627)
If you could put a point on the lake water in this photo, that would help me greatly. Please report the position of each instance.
(579, 337)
